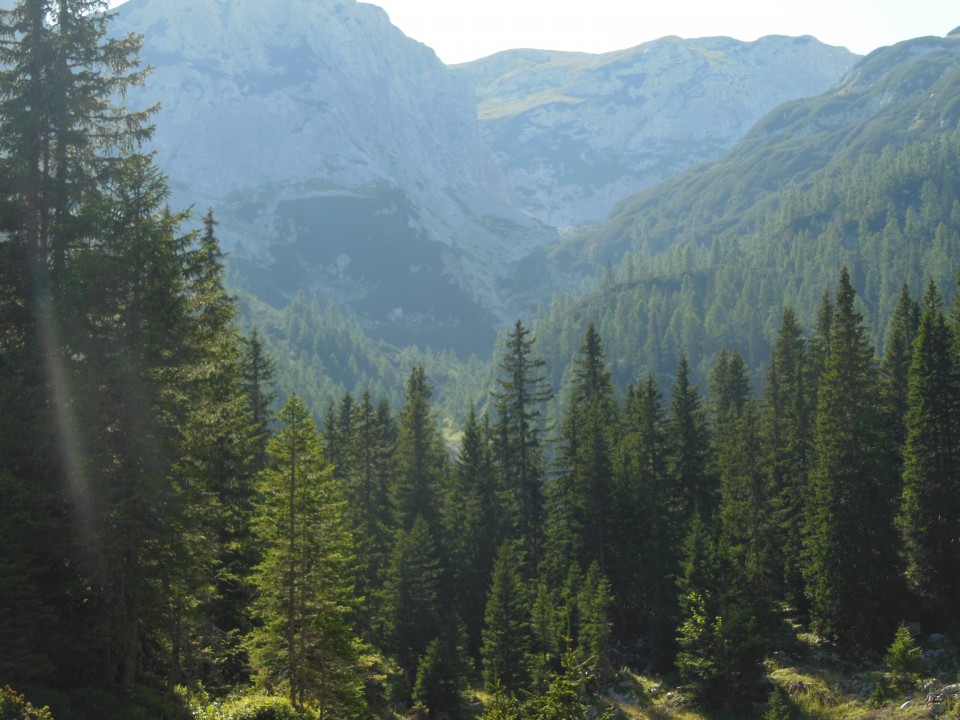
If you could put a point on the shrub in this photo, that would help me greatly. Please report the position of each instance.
(16, 707)
(259, 707)
(778, 706)
(904, 658)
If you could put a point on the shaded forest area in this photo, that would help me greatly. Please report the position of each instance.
(169, 547)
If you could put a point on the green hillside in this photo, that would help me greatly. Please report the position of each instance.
(865, 176)
(909, 92)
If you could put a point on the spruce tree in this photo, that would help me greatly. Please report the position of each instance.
(689, 447)
(658, 530)
(744, 507)
(895, 366)
(414, 583)
(595, 629)
(582, 495)
(216, 460)
(719, 648)
(472, 516)
(258, 370)
(66, 146)
(305, 642)
(850, 561)
(522, 391)
(366, 486)
(930, 508)
(506, 635)
(787, 432)
(420, 457)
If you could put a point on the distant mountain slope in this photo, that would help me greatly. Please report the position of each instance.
(866, 176)
(341, 157)
(907, 92)
(575, 133)
(345, 160)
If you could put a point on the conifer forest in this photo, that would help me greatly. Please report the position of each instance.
(652, 501)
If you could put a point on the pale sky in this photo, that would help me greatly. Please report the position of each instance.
(461, 30)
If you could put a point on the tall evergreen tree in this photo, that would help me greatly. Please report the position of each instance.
(930, 509)
(305, 641)
(472, 515)
(895, 366)
(719, 648)
(582, 494)
(522, 391)
(420, 456)
(850, 564)
(258, 370)
(506, 635)
(64, 141)
(787, 431)
(688, 438)
(216, 458)
(657, 532)
(414, 583)
(819, 347)
(366, 486)
(135, 336)
(744, 508)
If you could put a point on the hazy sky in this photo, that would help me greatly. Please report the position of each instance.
(460, 30)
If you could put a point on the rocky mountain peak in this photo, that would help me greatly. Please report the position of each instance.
(344, 159)
(281, 90)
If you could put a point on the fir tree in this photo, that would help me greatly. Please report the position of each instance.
(413, 591)
(522, 391)
(895, 367)
(658, 530)
(689, 447)
(744, 493)
(258, 370)
(506, 635)
(850, 561)
(305, 641)
(66, 145)
(581, 497)
(787, 431)
(930, 509)
(420, 456)
(472, 517)
(366, 486)
(441, 677)
(719, 648)
(595, 629)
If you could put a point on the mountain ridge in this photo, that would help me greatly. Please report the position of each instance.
(891, 95)
(575, 133)
(345, 160)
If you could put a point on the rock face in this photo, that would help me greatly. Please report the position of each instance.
(576, 133)
(340, 157)
(344, 159)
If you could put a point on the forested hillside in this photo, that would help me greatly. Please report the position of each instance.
(864, 176)
(171, 547)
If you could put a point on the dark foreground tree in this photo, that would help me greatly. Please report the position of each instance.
(850, 560)
(930, 510)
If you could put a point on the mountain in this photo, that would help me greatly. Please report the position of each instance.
(864, 176)
(340, 156)
(895, 95)
(575, 133)
(345, 160)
